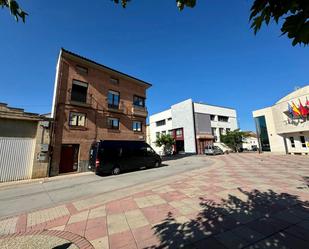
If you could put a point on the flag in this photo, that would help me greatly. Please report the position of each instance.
(290, 110)
(295, 110)
(303, 110)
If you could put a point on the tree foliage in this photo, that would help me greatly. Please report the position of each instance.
(167, 141)
(180, 3)
(14, 8)
(295, 15)
(233, 139)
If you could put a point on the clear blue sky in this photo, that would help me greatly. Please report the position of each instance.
(207, 53)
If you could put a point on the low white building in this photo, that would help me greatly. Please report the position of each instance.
(193, 125)
(250, 142)
(281, 131)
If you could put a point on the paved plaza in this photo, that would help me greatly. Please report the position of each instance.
(239, 201)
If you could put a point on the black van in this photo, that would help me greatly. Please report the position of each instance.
(113, 157)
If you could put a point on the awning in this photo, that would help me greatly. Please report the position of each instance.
(205, 136)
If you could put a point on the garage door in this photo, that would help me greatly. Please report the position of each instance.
(16, 158)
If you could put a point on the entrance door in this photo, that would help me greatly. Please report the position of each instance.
(180, 146)
(69, 158)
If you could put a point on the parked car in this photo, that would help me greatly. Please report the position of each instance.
(113, 157)
(254, 148)
(213, 150)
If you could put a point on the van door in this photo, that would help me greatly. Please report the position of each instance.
(138, 156)
(151, 157)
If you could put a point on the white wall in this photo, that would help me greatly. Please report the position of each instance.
(232, 124)
(280, 127)
(276, 141)
(298, 145)
(249, 141)
(182, 115)
(153, 128)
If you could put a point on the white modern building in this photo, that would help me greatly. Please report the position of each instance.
(281, 129)
(193, 125)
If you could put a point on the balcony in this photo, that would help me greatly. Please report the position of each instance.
(139, 111)
(114, 107)
(80, 99)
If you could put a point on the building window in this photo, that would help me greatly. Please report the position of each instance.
(179, 133)
(228, 130)
(262, 133)
(223, 119)
(137, 126)
(81, 69)
(113, 123)
(79, 91)
(292, 142)
(139, 101)
(169, 119)
(114, 81)
(160, 123)
(163, 132)
(303, 141)
(221, 131)
(158, 134)
(77, 119)
(212, 117)
(170, 132)
(113, 99)
(213, 131)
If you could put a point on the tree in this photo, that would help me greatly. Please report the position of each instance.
(167, 142)
(233, 139)
(14, 8)
(294, 12)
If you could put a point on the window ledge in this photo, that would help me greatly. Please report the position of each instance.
(80, 128)
(84, 104)
(113, 130)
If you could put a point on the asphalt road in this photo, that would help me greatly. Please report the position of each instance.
(30, 196)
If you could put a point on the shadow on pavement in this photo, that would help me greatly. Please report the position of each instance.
(176, 157)
(63, 246)
(249, 220)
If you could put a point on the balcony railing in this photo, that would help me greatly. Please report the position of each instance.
(139, 111)
(112, 107)
(80, 98)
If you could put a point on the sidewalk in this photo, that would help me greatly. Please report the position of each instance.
(243, 200)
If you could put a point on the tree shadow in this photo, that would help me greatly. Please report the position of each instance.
(245, 220)
(63, 246)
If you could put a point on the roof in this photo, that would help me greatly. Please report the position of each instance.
(220, 106)
(19, 113)
(303, 91)
(105, 67)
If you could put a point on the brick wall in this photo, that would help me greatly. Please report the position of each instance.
(96, 112)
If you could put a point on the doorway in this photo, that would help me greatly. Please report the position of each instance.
(179, 146)
(68, 158)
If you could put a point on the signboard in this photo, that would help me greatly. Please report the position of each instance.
(44, 147)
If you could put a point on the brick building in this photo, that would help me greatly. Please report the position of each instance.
(92, 102)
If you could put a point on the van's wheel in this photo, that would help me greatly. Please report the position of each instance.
(116, 170)
(157, 164)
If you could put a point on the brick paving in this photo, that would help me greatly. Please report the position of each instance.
(241, 201)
